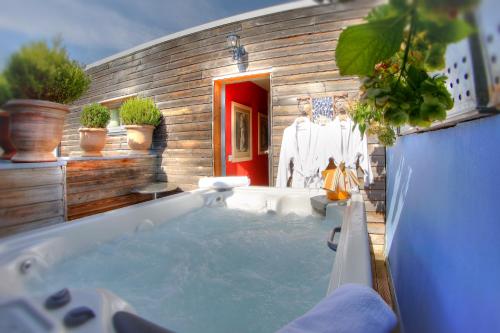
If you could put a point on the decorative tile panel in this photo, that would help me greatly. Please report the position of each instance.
(322, 109)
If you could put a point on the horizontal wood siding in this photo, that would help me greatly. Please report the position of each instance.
(95, 186)
(298, 46)
(30, 198)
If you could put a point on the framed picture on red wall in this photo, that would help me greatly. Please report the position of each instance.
(263, 134)
(241, 132)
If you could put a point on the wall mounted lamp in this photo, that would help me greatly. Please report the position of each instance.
(233, 43)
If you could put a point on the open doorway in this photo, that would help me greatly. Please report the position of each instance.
(242, 131)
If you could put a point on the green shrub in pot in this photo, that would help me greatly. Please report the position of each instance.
(95, 116)
(94, 119)
(42, 79)
(140, 116)
(5, 93)
(38, 71)
(140, 111)
(7, 148)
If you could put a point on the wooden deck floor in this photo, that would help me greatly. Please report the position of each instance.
(380, 275)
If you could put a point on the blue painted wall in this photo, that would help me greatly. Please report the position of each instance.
(443, 228)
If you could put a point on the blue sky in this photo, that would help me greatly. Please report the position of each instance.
(94, 29)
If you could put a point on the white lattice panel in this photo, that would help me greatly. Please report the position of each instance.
(488, 21)
(460, 73)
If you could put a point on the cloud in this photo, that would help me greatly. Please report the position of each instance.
(171, 15)
(96, 28)
(78, 22)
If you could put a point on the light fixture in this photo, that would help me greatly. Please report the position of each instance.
(233, 43)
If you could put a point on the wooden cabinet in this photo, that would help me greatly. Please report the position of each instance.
(32, 195)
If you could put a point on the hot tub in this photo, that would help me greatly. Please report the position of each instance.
(249, 259)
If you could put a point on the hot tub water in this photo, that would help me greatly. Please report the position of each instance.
(211, 270)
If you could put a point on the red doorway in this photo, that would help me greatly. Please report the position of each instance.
(244, 131)
(246, 109)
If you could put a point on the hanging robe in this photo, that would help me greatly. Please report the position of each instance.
(345, 144)
(300, 145)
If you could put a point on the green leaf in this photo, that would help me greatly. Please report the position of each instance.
(449, 5)
(446, 31)
(399, 4)
(386, 135)
(382, 12)
(436, 87)
(456, 30)
(431, 109)
(435, 59)
(377, 92)
(362, 129)
(395, 116)
(361, 47)
(416, 76)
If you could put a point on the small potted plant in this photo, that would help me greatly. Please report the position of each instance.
(140, 117)
(94, 119)
(5, 143)
(43, 80)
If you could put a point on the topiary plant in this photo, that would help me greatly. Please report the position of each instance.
(95, 116)
(140, 111)
(38, 71)
(5, 93)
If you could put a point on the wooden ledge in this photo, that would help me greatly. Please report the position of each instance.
(108, 157)
(8, 165)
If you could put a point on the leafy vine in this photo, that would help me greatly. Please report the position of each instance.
(393, 53)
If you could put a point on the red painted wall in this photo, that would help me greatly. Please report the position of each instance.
(249, 94)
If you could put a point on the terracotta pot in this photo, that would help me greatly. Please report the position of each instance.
(139, 138)
(8, 148)
(92, 140)
(36, 128)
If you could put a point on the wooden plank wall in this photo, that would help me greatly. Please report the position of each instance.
(297, 45)
(99, 185)
(30, 198)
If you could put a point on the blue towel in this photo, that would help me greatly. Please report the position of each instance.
(351, 308)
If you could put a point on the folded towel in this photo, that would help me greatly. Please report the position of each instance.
(351, 308)
(223, 183)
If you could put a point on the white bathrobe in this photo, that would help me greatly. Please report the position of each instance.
(345, 144)
(300, 143)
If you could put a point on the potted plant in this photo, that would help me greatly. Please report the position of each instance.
(42, 80)
(393, 52)
(5, 143)
(140, 117)
(94, 119)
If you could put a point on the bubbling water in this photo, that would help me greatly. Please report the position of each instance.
(211, 270)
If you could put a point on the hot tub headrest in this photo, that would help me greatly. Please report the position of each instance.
(223, 183)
